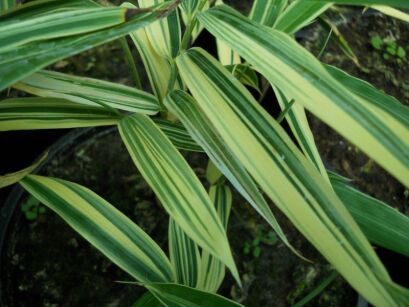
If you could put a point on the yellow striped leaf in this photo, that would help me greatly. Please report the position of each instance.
(111, 232)
(176, 185)
(51, 113)
(89, 92)
(298, 73)
(286, 176)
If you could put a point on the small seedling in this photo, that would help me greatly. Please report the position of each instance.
(32, 209)
(262, 237)
(389, 48)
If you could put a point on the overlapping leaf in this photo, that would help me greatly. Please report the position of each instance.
(89, 91)
(202, 130)
(51, 113)
(22, 61)
(165, 34)
(286, 176)
(176, 185)
(115, 235)
(266, 12)
(295, 71)
(173, 295)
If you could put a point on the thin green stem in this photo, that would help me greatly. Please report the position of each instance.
(131, 62)
(190, 27)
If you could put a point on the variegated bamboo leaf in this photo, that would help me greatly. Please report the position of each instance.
(20, 62)
(115, 235)
(147, 300)
(212, 270)
(205, 134)
(184, 256)
(89, 91)
(165, 34)
(59, 24)
(173, 295)
(398, 3)
(381, 224)
(178, 135)
(299, 14)
(176, 185)
(299, 190)
(51, 113)
(390, 11)
(12, 178)
(295, 71)
(266, 12)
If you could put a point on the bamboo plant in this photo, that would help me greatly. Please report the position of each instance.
(202, 103)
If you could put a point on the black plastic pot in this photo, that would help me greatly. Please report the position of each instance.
(24, 153)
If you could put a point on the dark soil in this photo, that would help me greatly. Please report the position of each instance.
(48, 264)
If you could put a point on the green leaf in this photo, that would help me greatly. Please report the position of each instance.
(382, 225)
(6, 5)
(298, 122)
(201, 129)
(176, 185)
(245, 74)
(299, 74)
(111, 232)
(391, 12)
(43, 7)
(147, 300)
(173, 295)
(51, 113)
(20, 62)
(266, 12)
(58, 24)
(178, 135)
(398, 3)
(375, 97)
(184, 256)
(164, 35)
(377, 42)
(9, 179)
(212, 270)
(89, 92)
(299, 14)
(283, 172)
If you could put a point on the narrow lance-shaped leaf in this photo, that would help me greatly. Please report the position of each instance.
(201, 129)
(299, 14)
(382, 224)
(89, 91)
(266, 12)
(298, 122)
(299, 190)
(390, 11)
(40, 7)
(20, 62)
(165, 34)
(51, 113)
(12, 178)
(189, 9)
(58, 24)
(398, 3)
(212, 270)
(111, 232)
(377, 98)
(184, 255)
(173, 295)
(178, 135)
(299, 74)
(226, 55)
(176, 185)
(157, 68)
